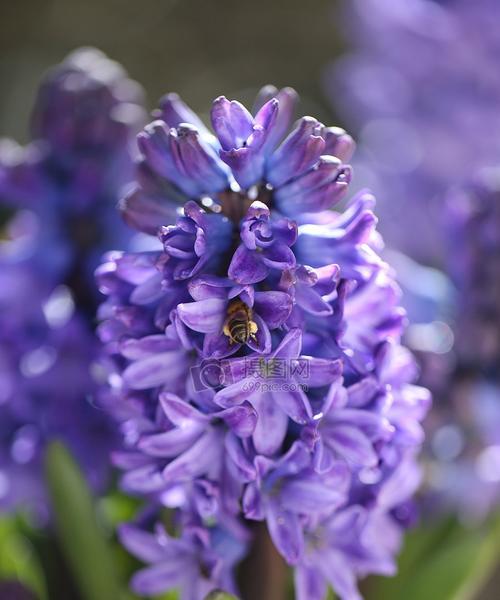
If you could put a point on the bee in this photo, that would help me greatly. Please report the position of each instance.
(239, 326)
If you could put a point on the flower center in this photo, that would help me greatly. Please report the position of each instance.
(234, 205)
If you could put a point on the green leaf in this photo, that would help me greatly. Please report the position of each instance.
(484, 563)
(116, 508)
(18, 559)
(448, 559)
(220, 595)
(84, 545)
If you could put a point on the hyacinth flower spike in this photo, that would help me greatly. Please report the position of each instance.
(254, 362)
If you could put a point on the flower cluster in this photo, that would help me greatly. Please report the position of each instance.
(255, 360)
(57, 206)
(414, 115)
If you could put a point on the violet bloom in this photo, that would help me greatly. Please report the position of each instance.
(46, 390)
(265, 246)
(424, 124)
(62, 190)
(413, 117)
(464, 445)
(72, 173)
(197, 563)
(254, 362)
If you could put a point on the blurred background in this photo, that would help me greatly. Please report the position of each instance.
(196, 48)
(412, 125)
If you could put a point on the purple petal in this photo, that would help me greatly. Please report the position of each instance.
(338, 143)
(309, 584)
(163, 577)
(294, 403)
(352, 444)
(314, 493)
(271, 426)
(197, 460)
(148, 212)
(239, 458)
(336, 569)
(247, 267)
(298, 152)
(219, 345)
(290, 345)
(315, 372)
(179, 412)
(252, 503)
(234, 394)
(205, 316)
(278, 256)
(174, 111)
(286, 532)
(149, 345)
(231, 121)
(204, 287)
(309, 300)
(143, 545)
(273, 307)
(144, 480)
(287, 99)
(154, 370)
(241, 420)
(171, 443)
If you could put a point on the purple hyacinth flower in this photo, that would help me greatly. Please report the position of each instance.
(287, 489)
(347, 240)
(173, 111)
(265, 246)
(194, 242)
(194, 443)
(338, 554)
(184, 158)
(251, 379)
(346, 431)
(316, 190)
(243, 137)
(312, 291)
(198, 562)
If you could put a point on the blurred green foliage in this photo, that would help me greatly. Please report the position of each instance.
(446, 559)
(18, 560)
(216, 595)
(87, 551)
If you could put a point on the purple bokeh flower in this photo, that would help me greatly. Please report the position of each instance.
(254, 362)
(429, 145)
(58, 214)
(464, 440)
(422, 125)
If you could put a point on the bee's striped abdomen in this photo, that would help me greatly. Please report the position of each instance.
(239, 326)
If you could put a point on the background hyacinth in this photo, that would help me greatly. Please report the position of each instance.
(425, 128)
(420, 90)
(465, 438)
(254, 360)
(58, 196)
